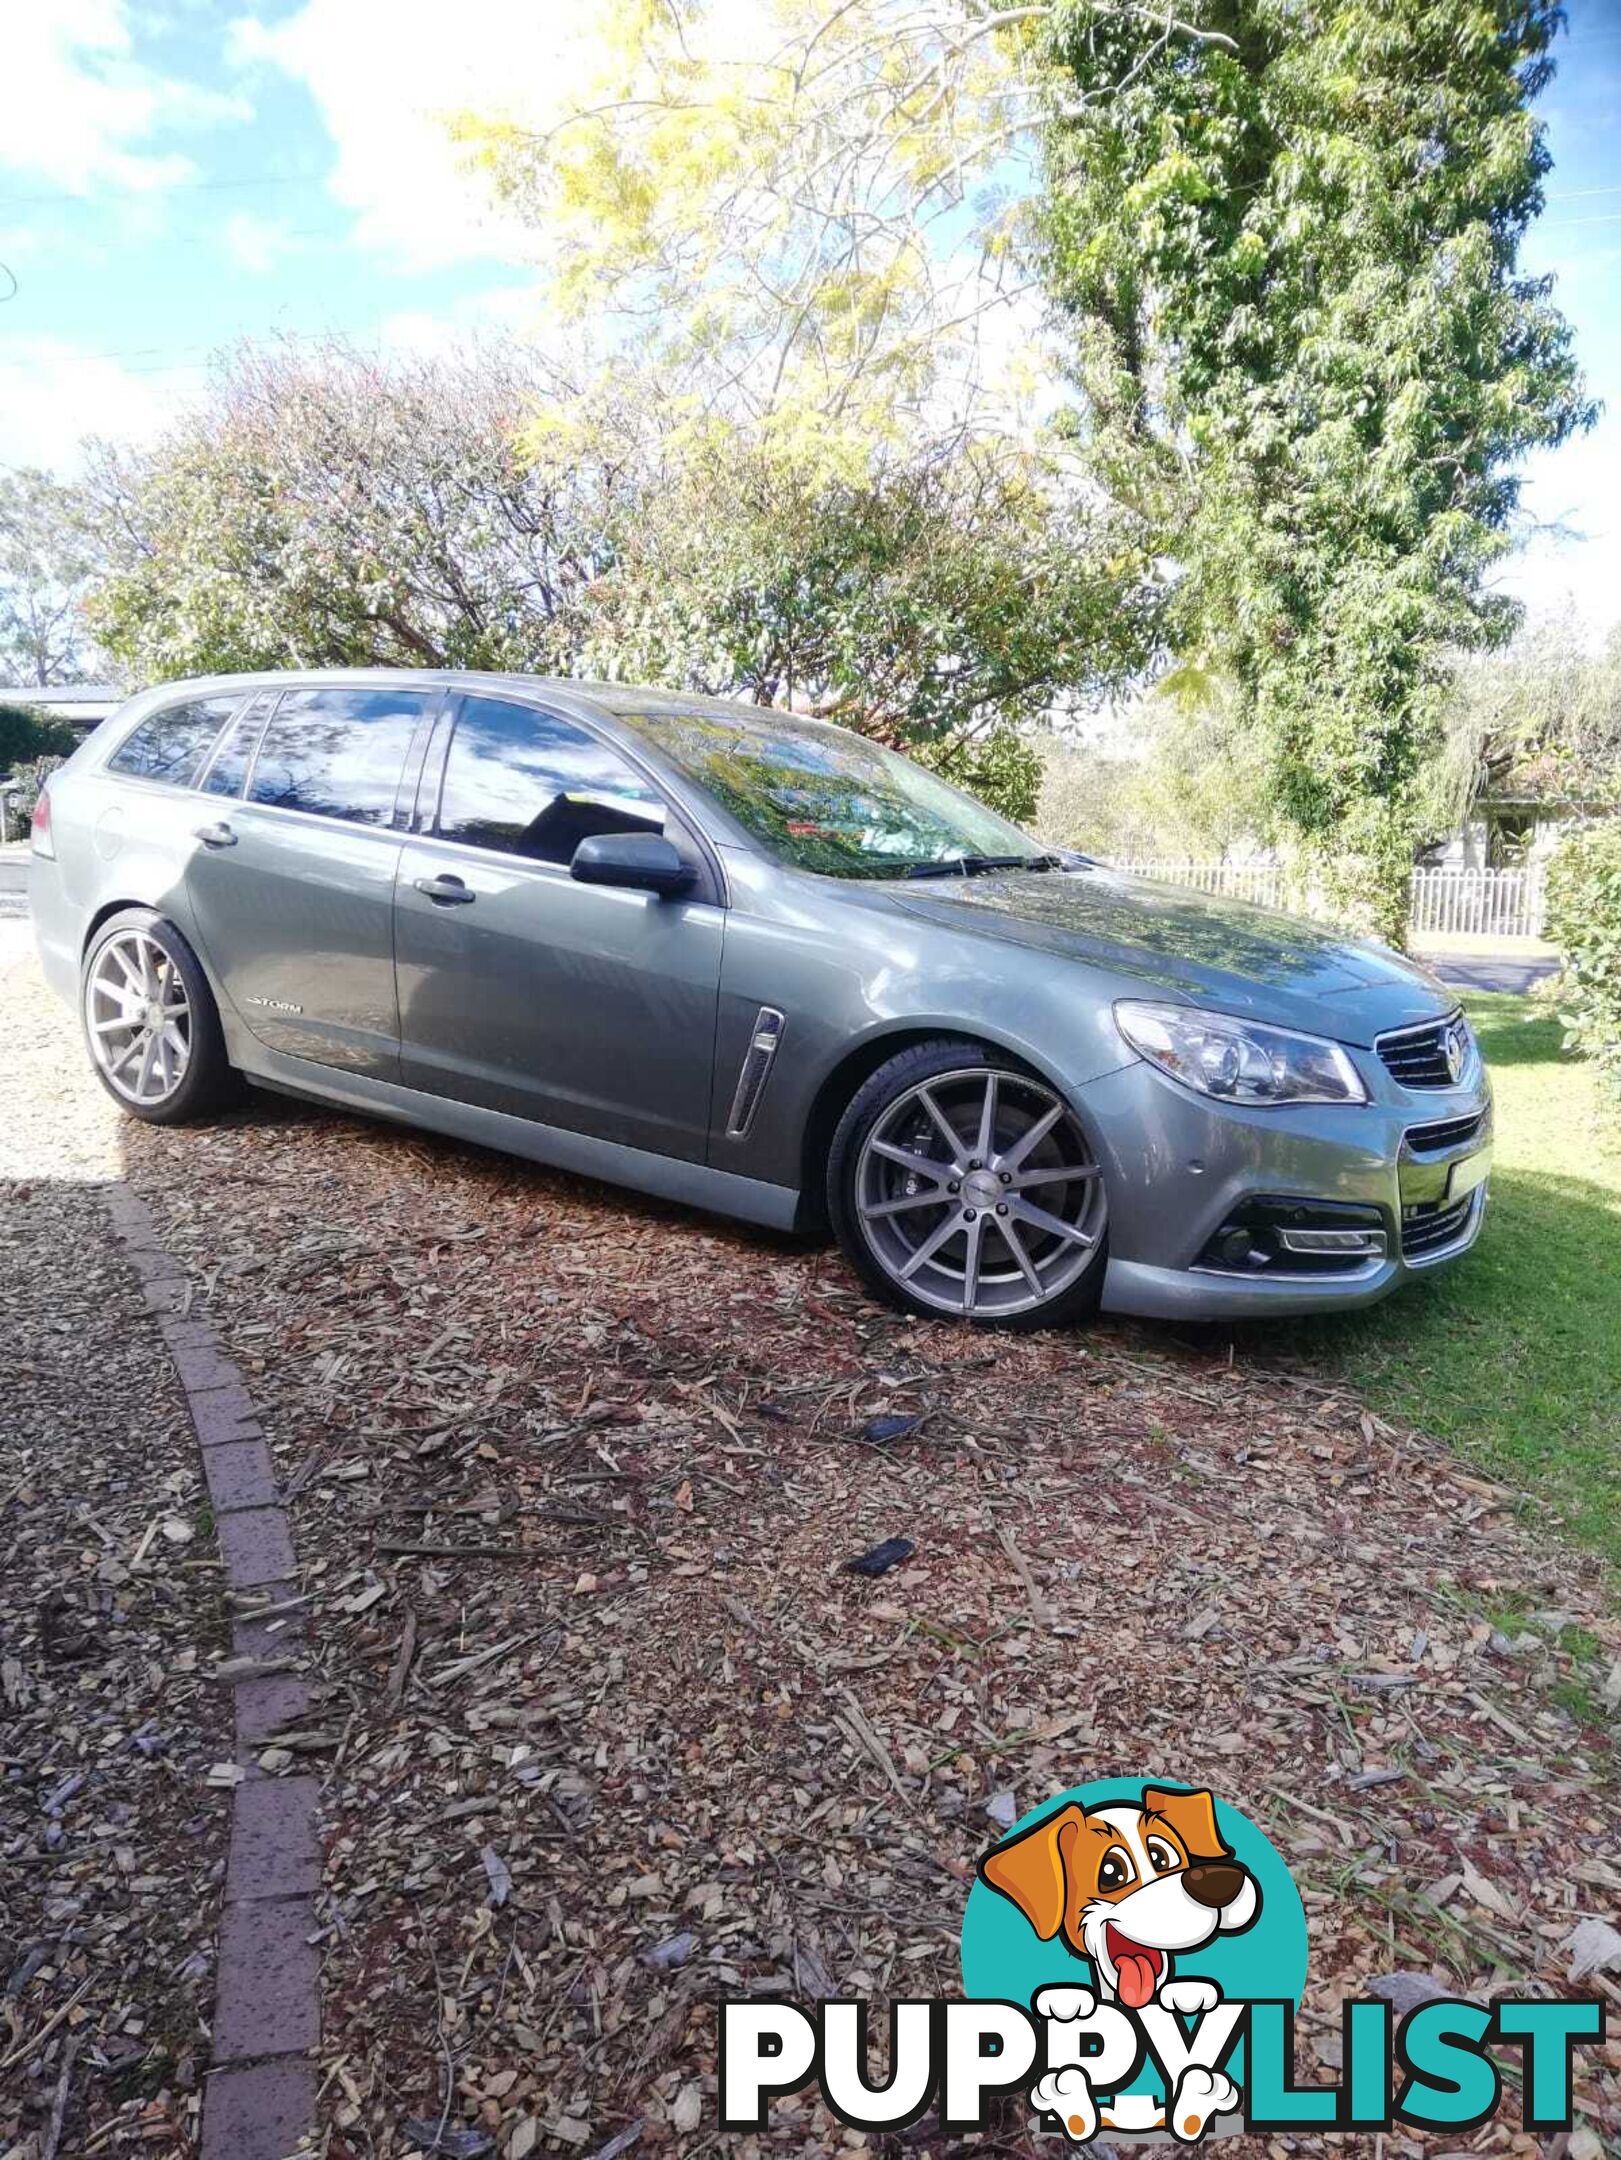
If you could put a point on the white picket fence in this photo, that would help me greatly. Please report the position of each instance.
(1477, 903)
(1262, 883)
(1443, 902)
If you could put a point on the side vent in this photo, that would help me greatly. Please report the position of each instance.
(751, 1080)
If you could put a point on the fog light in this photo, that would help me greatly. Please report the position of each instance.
(1355, 1244)
(1283, 1234)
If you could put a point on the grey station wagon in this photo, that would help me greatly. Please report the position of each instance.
(744, 959)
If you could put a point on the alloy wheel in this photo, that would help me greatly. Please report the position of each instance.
(138, 1018)
(977, 1192)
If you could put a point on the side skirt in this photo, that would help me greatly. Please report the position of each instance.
(666, 1177)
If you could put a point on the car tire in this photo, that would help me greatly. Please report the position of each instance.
(899, 1191)
(150, 1022)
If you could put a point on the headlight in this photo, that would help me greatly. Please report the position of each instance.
(1239, 1060)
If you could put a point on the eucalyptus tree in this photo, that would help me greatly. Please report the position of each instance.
(48, 550)
(326, 507)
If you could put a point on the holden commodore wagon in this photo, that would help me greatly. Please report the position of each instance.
(743, 959)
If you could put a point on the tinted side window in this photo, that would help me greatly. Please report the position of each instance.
(337, 753)
(229, 768)
(170, 745)
(528, 784)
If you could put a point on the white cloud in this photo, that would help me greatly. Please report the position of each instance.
(514, 312)
(386, 74)
(80, 109)
(53, 394)
(257, 244)
(1574, 555)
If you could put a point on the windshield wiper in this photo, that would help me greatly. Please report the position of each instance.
(979, 865)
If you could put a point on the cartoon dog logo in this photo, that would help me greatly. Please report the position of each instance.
(1129, 1887)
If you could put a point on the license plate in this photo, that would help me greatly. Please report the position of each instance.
(1466, 1175)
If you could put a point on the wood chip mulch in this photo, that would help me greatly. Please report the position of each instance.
(608, 1730)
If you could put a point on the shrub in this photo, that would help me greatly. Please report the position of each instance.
(21, 796)
(26, 735)
(1584, 921)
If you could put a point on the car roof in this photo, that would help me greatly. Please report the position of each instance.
(614, 699)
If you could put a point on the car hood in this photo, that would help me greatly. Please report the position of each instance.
(1249, 961)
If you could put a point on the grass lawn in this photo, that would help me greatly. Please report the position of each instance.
(1513, 1354)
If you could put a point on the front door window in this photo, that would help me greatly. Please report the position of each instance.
(525, 783)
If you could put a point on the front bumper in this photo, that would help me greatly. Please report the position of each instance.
(1179, 1167)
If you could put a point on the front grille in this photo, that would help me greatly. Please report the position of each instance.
(1430, 1227)
(1417, 1056)
(1445, 1133)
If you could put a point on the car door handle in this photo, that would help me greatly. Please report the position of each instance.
(215, 836)
(447, 891)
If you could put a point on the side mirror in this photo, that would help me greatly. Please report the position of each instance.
(646, 862)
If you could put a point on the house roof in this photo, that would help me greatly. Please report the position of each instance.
(62, 694)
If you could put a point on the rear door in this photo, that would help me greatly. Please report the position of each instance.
(520, 990)
(292, 886)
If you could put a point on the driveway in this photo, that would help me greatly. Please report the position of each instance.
(1493, 973)
(13, 881)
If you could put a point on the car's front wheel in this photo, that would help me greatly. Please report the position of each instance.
(961, 1185)
(150, 1021)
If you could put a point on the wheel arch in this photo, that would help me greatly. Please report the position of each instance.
(105, 914)
(856, 1067)
(107, 909)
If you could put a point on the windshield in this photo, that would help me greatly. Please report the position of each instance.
(824, 800)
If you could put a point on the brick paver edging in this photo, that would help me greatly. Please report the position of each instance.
(259, 2100)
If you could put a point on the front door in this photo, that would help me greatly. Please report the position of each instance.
(292, 888)
(575, 1005)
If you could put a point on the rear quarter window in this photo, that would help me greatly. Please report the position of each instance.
(170, 745)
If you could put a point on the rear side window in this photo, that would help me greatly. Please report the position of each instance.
(229, 766)
(171, 744)
(337, 753)
(524, 783)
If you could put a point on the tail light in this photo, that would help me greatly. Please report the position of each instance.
(43, 844)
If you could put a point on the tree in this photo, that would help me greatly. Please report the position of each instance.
(797, 217)
(1540, 722)
(791, 241)
(329, 508)
(26, 784)
(935, 598)
(47, 554)
(1174, 780)
(1584, 922)
(1284, 235)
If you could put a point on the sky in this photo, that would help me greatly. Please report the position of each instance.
(176, 175)
(1573, 495)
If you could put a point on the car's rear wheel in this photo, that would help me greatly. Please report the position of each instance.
(150, 1021)
(960, 1185)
